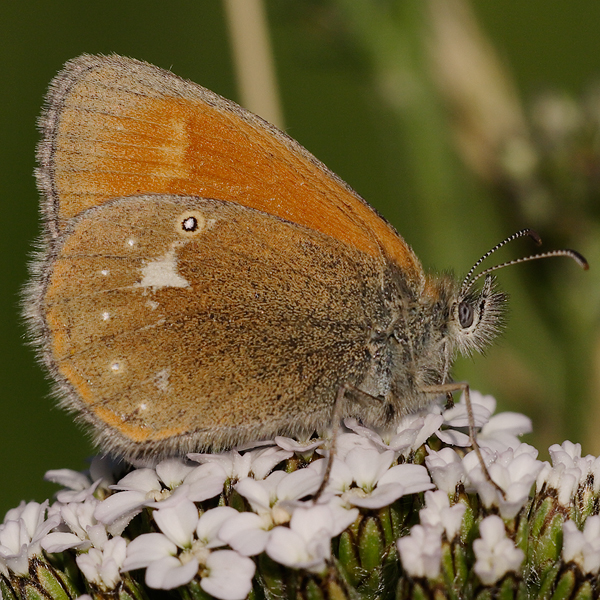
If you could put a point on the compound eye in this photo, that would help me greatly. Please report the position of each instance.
(465, 314)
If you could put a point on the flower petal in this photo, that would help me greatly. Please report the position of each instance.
(230, 575)
(168, 573)
(147, 549)
(179, 522)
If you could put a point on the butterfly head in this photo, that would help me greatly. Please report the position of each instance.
(477, 317)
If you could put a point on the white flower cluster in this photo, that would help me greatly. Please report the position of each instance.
(575, 480)
(571, 475)
(216, 546)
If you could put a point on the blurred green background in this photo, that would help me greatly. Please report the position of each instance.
(460, 128)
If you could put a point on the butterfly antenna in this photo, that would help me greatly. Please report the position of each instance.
(578, 258)
(466, 284)
(469, 280)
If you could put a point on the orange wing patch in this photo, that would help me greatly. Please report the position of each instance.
(187, 140)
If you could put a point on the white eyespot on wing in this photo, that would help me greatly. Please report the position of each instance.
(162, 272)
(190, 223)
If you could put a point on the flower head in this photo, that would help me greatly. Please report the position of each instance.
(496, 553)
(21, 535)
(103, 567)
(184, 550)
(583, 547)
(306, 543)
(421, 551)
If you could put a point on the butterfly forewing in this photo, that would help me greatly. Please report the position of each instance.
(117, 127)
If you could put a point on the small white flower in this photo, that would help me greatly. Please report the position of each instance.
(264, 460)
(184, 550)
(21, 534)
(346, 442)
(421, 551)
(400, 480)
(570, 473)
(228, 575)
(595, 473)
(259, 462)
(173, 472)
(202, 482)
(134, 491)
(495, 553)
(439, 513)
(235, 465)
(151, 487)
(273, 500)
(79, 485)
(483, 407)
(515, 471)
(102, 567)
(496, 432)
(446, 469)
(457, 418)
(560, 478)
(261, 495)
(583, 547)
(410, 434)
(84, 530)
(569, 455)
(171, 572)
(82, 485)
(567, 452)
(159, 553)
(368, 466)
(147, 549)
(280, 491)
(377, 483)
(306, 544)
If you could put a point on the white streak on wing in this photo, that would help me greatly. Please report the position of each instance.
(162, 272)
